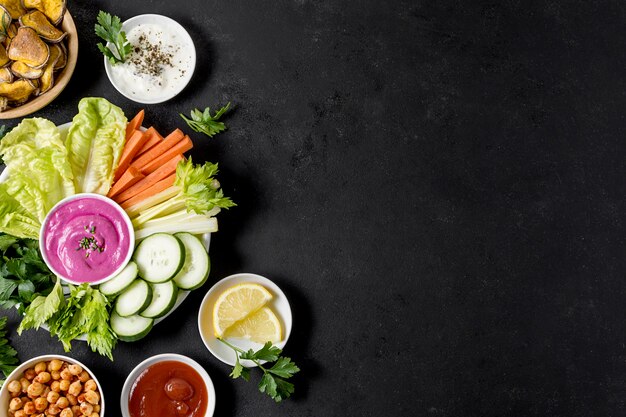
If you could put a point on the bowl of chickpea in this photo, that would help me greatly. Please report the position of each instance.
(51, 386)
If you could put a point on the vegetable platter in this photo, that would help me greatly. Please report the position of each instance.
(171, 202)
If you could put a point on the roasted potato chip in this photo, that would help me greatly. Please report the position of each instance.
(42, 26)
(14, 7)
(47, 78)
(28, 47)
(18, 91)
(62, 61)
(4, 58)
(10, 34)
(6, 76)
(53, 9)
(21, 70)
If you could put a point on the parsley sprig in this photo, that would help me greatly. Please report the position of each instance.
(273, 382)
(109, 28)
(203, 122)
(8, 355)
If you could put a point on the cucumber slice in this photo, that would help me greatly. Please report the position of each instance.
(195, 270)
(133, 299)
(159, 257)
(132, 328)
(121, 281)
(163, 299)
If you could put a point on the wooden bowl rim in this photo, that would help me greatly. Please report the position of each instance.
(62, 79)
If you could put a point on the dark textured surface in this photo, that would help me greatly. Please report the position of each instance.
(437, 187)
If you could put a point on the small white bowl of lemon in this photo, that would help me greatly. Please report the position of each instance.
(247, 310)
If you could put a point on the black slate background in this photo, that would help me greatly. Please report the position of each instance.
(437, 187)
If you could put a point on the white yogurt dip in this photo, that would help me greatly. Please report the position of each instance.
(160, 64)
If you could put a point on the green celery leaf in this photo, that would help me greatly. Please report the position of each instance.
(42, 309)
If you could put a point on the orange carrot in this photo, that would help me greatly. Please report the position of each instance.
(133, 144)
(131, 176)
(164, 170)
(171, 140)
(180, 148)
(149, 192)
(135, 123)
(154, 139)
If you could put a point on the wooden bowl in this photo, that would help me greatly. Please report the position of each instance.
(61, 79)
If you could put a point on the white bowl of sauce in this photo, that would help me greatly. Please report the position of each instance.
(86, 238)
(168, 384)
(161, 63)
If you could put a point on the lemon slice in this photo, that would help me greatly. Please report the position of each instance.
(236, 303)
(261, 326)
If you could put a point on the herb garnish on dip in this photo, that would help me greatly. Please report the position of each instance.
(86, 238)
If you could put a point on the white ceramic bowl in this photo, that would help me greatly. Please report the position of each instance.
(133, 90)
(5, 397)
(114, 205)
(279, 304)
(130, 379)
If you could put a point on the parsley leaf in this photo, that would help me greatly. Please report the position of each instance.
(8, 355)
(203, 122)
(109, 28)
(273, 382)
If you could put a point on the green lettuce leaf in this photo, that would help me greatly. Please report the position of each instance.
(37, 161)
(14, 219)
(95, 142)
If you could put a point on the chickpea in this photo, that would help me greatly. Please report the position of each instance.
(52, 397)
(41, 404)
(35, 389)
(20, 413)
(63, 402)
(86, 409)
(25, 383)
(76, 410)
(96, 408)
(41, 366)
(15, 386)
(64, 385)
(55, 365)
(30, 374)
(55, 386)
(84, 377)
(65, 374)
(15, 404)
(46, 390)
(29, 408)
(81, 398)
(91, 385)
(53, 410)
(92, 397)
(75, 388)
(72, 399)
(94, 415)
(56, 375)
(43, 377)
(67, 413)
(75, 369)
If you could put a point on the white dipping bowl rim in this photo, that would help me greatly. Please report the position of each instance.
(129, 24)
(280, 305)
(127, 221)
(134, 374)
(5, 397)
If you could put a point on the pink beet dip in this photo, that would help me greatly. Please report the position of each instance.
(87, 238)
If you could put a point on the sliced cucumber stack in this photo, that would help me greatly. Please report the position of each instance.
(197, 265)
(159, 257)
(121, 281)
(133, 299)
(132, 328)
(164, 297)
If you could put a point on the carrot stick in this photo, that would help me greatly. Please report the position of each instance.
(131, 176)
(133, 144)
(165, 170)
(160, 186)
(171, 140)
(154, 139)
(180, 148)
(135, 123)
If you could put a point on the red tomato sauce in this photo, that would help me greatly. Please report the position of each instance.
(168, 389)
